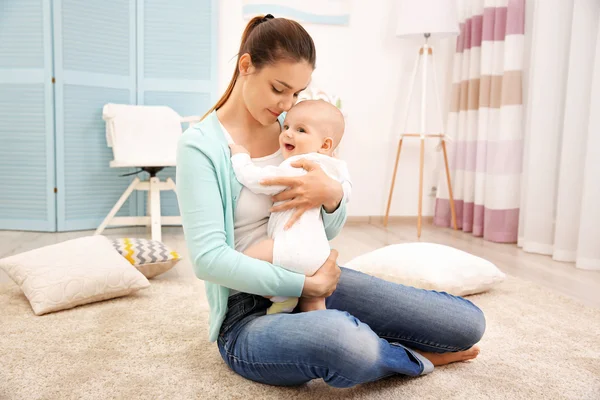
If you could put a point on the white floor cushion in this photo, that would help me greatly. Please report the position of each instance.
(430, 266)
(72, 273)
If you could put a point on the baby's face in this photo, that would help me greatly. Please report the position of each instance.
(301, 133)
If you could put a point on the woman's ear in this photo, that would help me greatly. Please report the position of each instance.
(245, 64)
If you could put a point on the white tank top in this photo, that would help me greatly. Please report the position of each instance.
(252, 210)
(251, 216)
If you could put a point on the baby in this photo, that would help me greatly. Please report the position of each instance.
(312, 130)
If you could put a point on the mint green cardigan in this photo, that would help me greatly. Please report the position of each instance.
(207, 192)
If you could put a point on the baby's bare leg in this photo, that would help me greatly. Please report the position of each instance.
(315, 304)
(262, 250)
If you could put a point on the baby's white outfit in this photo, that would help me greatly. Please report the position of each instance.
(304, 247)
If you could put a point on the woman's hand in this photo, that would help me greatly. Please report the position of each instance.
(315, 189)
(324, 282)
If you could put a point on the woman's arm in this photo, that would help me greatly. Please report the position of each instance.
(201, 207)
(334, 221)
(315, 189)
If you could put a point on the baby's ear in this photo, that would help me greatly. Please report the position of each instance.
(327, 144)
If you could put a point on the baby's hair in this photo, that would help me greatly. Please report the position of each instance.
(330, 115)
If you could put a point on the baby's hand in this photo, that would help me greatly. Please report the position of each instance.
(237, 149)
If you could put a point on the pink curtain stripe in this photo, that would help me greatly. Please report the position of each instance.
(500, 24)
(467, 32)
(493, 25)
(501, 225)
(493, 225)
(515, 21)
(502, 156)
(488, 24)
(476, 31)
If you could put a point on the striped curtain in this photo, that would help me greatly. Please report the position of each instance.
(485, 121)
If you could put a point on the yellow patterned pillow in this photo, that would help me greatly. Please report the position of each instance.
(150, 257)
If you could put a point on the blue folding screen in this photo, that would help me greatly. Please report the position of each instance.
(94, 46)
(27, 199)
(176, 64)
(99, 51)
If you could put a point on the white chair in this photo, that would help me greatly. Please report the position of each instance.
(143, 137)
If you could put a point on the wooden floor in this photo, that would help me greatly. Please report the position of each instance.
(358, 238)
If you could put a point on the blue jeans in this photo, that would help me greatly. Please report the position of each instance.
(369, 331)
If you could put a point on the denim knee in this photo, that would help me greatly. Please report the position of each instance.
(474, 328)
(351, 352)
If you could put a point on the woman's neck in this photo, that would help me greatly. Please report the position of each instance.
(260, 140)
(235, 116)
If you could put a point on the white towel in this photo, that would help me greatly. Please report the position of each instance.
(142, 135)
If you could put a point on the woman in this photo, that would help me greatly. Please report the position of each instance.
(371, 328)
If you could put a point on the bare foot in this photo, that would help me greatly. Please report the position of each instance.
(438, 359)
(306, 305)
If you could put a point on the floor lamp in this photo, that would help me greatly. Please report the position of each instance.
(424, 19)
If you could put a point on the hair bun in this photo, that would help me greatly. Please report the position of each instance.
(267, 17)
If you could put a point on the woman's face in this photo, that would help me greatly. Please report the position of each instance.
(273, 89)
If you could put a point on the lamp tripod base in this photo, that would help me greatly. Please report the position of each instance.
(424, 52)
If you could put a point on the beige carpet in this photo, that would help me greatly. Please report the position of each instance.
(153, 345)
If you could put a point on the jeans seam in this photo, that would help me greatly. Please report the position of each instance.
(233, 319)
(233, 356)
(438, 346)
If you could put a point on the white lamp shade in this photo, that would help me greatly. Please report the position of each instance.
(417, 17)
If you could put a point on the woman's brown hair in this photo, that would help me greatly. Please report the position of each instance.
(268, 40)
